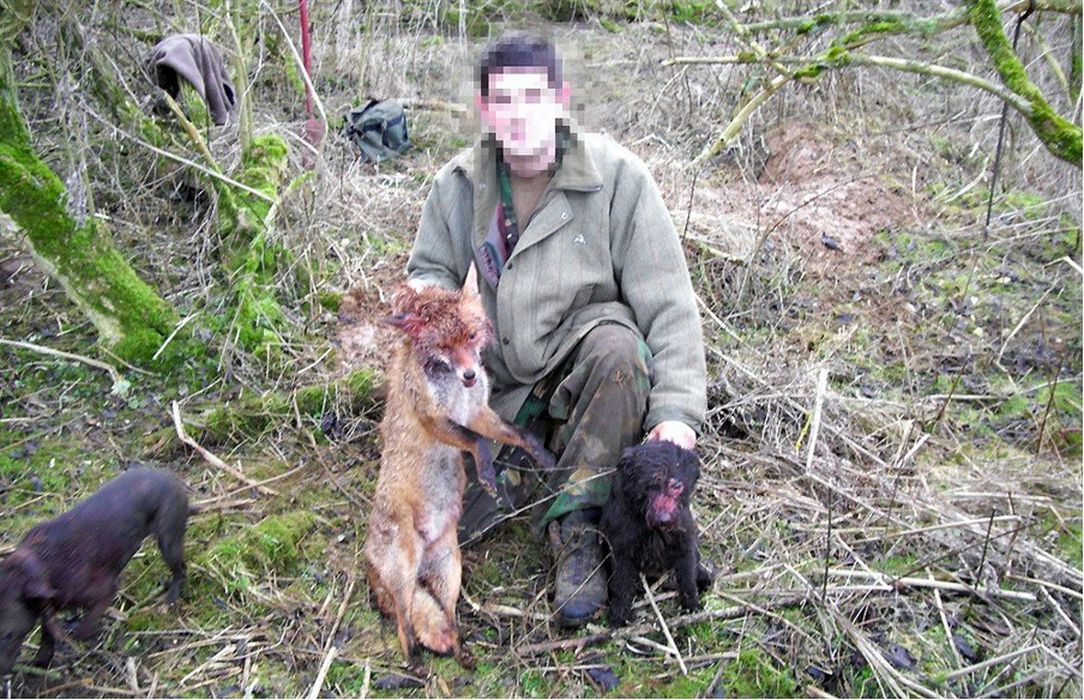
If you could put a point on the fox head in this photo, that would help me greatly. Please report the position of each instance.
(448, 329)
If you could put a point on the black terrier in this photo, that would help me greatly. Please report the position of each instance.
(649, 527)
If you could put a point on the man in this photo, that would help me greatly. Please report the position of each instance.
(583, 276)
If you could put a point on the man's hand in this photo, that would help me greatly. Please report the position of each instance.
(674, 431)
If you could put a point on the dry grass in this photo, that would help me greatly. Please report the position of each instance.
(927, 512)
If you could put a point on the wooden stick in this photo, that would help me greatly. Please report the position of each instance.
(183, 436)
(891, 582)
(314, 691)
(113, 373)
(822, 386)
(665, 629)
(992, 662)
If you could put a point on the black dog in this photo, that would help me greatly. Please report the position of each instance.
(648, 525)
(75, 559)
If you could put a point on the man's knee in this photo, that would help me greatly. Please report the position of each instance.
(618, 353)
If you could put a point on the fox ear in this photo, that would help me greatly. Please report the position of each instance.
(470, 283)
(404, 297)
(410, 324)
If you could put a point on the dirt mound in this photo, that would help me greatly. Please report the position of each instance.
(816, 192)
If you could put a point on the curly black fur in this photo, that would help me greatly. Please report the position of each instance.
(644, 472)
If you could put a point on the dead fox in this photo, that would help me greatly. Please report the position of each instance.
(437, 409)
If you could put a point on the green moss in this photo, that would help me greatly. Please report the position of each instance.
(249, 415)
(238, 562)
(897, 564)
(129, 316)
(884, 26)
(331, 301)
(1070, 543)
(754, 675)
(259, 320)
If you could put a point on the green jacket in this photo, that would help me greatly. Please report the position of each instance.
(600, 247)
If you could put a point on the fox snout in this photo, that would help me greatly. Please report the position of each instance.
(468, 377)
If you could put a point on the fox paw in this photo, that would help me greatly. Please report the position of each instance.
(442, 640)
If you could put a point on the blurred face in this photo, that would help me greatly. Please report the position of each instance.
(521, 112)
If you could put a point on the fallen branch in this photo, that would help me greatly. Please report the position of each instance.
(119, 383)
(908, 581)
(211, 458)
(672, 649)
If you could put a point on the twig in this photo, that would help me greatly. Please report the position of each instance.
(325, 666)
(992, 662)
(192, 131)
(905, 581)
(172, 335)
(822, 385)
(183, 436)
(866, 60)
(185, 161)
(1049, 405)
(118, 380)
(665, 629)
(300, 63)
(982, 562)
(1002, 123)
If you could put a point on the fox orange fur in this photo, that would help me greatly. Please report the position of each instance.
(437, 409)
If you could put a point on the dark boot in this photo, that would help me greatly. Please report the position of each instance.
(580, 590)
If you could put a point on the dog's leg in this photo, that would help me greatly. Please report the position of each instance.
(49, 634)
(87, 627)
(170, 534)
(623, 582)
(685, 570)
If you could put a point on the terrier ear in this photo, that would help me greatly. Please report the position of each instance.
(689, 470)
(38, 590)
(35, 585)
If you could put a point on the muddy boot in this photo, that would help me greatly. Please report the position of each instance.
(580, 590)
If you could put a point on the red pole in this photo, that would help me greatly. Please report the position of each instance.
(306, 52)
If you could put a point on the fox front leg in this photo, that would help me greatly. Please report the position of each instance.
(451, 433)
(487, 423)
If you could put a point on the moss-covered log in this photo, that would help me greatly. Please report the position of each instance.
(131, 318)
(1060, 136)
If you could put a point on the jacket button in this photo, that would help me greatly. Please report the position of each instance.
(504, 340)
(509, 266)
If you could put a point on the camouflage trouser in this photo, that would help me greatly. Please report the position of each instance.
(587, 412)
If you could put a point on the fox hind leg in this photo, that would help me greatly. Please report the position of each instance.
(393, 556)
(441, 576)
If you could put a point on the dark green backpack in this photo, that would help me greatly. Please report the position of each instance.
(379, 130)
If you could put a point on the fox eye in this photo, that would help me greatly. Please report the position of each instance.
(473, 335)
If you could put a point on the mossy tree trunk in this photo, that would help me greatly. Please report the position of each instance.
(244, 222)
(130, 316)
(1060, 136)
